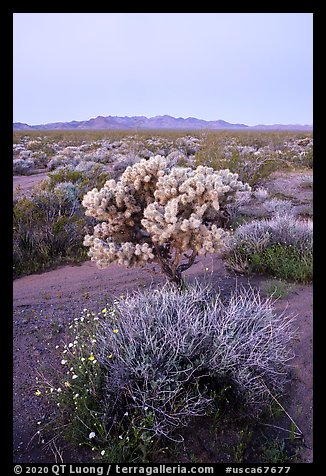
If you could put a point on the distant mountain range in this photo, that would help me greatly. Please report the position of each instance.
(157, 122)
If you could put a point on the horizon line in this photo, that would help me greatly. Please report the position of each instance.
(161, 116)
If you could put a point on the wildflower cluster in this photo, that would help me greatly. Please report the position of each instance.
(78, 392)
(140, 369)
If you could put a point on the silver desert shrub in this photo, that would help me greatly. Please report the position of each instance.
(162, 352)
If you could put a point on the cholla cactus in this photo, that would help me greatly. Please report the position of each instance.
(158, 213)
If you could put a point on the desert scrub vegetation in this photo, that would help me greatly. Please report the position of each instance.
(47, 230)
(162, 214)
(50, 224)
(276, 288)
(255, 155)
(83, 160)
(281, 246)
(82, 180)
(140, 369)
(113, 150)
(23, 166)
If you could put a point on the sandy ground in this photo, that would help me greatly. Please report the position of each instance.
(45, 304)
(27, 182)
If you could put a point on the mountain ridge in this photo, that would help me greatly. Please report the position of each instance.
(157, 122)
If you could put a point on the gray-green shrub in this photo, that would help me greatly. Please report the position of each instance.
(281, 245)
(171, 349)
(159, 358)
(22, 166)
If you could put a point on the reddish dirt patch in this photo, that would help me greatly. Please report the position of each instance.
(299, 403)
(27, 182)
(291, 184)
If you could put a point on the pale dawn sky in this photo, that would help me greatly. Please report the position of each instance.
(253, 68)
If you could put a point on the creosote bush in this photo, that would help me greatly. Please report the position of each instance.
(158, 213)
(156, 359)
(48, 229)
(50, 223)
